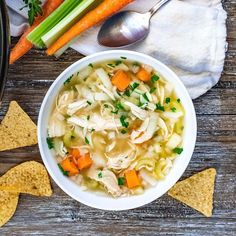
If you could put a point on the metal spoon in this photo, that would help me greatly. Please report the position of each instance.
(127, 27)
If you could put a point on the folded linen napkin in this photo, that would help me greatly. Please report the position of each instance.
(189, 36)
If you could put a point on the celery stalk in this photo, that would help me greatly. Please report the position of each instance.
(61, 12)
(50, 37)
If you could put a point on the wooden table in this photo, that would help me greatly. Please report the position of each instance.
(28, 82)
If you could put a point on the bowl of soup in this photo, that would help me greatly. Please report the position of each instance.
(116, 130)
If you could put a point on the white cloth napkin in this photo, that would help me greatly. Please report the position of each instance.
(189, 36)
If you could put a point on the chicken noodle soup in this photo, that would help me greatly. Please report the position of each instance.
(116, 127)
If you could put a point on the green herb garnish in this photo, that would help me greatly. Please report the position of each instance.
(123, 131)
(146, 97)
(67, 81)
(118, 62)
(173, 109)
(35, 9)
(136, 64)
(66, 173)
(160, 107)
(121, 180)
(124, 58)
(88, 117)
(118, 105)
(106, 106)
(92, 130)
(111, 65)
(115, 112)
(152, 90)
(127, 93)
(90, 65)
(100, 175)
(178, 150)
(89, 103)
(123, 122)
(50, 143)
(134, 86)
(86, 140)
(154, 78)
(178, 100)
(167, 100)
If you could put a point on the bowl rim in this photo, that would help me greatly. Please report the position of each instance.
(106, 202)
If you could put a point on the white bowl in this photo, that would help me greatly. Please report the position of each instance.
(106, 202)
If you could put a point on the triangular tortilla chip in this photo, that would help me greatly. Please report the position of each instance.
(196, 191)
(17, 129)
(29, 177)
(8, 205)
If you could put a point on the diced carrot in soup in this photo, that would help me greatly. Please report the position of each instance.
(75, 152)
(132, 179)
(121, 80)
(143, 75)
(84, 161)
(69, 165)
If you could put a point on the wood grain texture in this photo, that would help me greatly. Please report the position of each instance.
(28, 82)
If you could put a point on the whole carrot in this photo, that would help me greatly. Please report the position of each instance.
(101, 12)
(23, 45)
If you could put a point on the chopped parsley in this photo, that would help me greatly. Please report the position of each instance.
(160, 107)
(123, 122)
(154, 78)
(78, 73)
(106, 106)
(100, 175)
(118, 105)
(115, 112)
(88, 117)
(136, 64)
(50, 143)
(173, 109)
(146, 97)
(89, 103)
(92, 130)
(167, 100)
(127, 93)
(123, 131)
(118, 62)
(178, 100)
(86, 140)
(178, 150)
(67, 81)
(66, 173)
(124, 58)
(90, 65)
(111, 65)
(152, 90)
(134, 86)
(121, 180)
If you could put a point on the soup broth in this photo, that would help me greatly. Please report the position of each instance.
(116, 127)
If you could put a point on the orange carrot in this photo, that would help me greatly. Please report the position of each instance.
(121, 80)
(100, 13)
(75, 153)
(143, 75)
(23, 45)
(132, 178)
(68, 165)
(84, 161)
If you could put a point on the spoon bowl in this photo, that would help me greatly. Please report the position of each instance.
(124, 28)
(127, 27)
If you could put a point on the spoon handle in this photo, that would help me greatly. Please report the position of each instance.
(154, 9)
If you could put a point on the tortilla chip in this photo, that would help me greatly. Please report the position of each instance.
(8, 205)
(29, 177)
(17, 129)
(196, 191)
